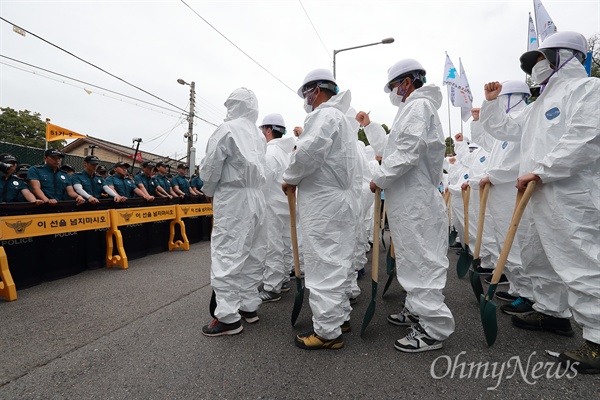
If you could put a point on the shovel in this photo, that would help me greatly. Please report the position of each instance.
(486, 304)
(375, 265)
(382, 225)
(300, 294)
(473, 274)
(452, 233)
(465, 259)
(391, 266)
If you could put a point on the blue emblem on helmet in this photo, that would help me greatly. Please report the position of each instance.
(466, 176)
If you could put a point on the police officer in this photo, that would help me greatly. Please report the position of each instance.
(181, 186)
(196, 185)
(163, 181)
(67, 169)
(102, 171)
(90, 185)
(146, 182)
(123, 185)
(50, 184)
(12, 188)
(22, 171)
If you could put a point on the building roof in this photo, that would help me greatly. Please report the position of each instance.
(116, 148)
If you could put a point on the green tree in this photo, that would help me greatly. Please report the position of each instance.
(363, 137)
(449, 145)
(594, 47)
(24, 127)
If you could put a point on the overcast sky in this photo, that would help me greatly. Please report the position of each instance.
(151, 44)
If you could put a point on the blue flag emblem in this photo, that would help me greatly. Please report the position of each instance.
(451, 73)
(482, 159)
(504, 145)
(466, 176)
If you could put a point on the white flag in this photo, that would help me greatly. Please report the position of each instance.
(545, 25)
(466, 94)
(459, 87)
(451, 76)
(532, 42)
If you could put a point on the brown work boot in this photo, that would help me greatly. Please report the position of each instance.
(537, 321)
(585, 359)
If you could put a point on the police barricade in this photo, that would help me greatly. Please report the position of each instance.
(69, 238)
(57, 229)
(147, 215)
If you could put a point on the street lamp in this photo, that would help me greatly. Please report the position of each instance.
(190, 133)
(384, 41)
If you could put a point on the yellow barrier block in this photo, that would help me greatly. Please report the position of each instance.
(195, 210)
(7, 286)
(13, 227)
(141, 215)
(21, 226)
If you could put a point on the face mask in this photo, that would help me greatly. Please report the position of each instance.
(395, 98)
(308, 103)
(541, 71)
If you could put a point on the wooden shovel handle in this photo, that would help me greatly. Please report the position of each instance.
(291, 195)
(483, 197)
(466, 194)
(522, 200)
(375, 258)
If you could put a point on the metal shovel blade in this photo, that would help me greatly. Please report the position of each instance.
(298, 301)
(487, 308)
(391, 268)
(371, 309)
(391, 278)
(291, 194)
(452, 237)
(475, 279)
(464, 262)
(374, 265)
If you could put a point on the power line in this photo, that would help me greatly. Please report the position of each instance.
(92, 85)
(315, 29)
(86, 83)
(93, 65)
(237, 47)
(82, 87)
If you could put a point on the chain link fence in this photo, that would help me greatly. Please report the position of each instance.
(34, 156)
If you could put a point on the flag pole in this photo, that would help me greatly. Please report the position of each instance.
(449, 123)
(46, 138)
(537, 34)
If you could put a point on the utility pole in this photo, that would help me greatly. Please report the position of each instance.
(190, 133)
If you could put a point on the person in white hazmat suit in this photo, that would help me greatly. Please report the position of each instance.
(233, 172)
(410, 172)
(278, 212)
(477, 161)
(458, 174)
(502, 172)
(323, 168)
(365, 202)
(560, 149)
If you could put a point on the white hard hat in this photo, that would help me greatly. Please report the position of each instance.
(322, 76)
(402, 67)
(509, 87)
(273, 119)
(560, 40)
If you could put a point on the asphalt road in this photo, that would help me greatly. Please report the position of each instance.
(135, 334)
